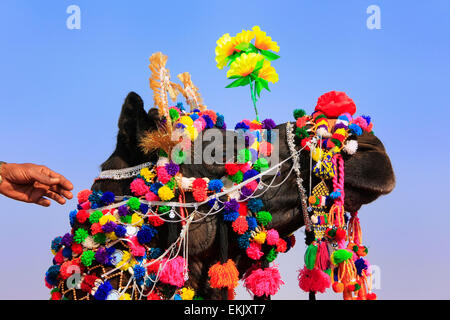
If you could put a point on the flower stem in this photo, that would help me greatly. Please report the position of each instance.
(252, 91)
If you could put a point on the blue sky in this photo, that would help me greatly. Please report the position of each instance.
(61, 91)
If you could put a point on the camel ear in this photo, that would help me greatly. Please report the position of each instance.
(134, 121)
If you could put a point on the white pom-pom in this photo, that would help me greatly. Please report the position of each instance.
(162, 161)
(351, 147)
(314, 219)
(323, 132)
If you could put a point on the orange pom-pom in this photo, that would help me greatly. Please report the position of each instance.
(224, 275)
(338, 287)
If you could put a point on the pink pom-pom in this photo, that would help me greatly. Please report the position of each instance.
(240, 225)
(83, 195)
(252, 185)
(314, 280)
(254, 251)
(360, 121)
(135, 247)
(85, 205)
(272, 237)
(244, 167)
(200, 124)
(163, 176)
(264, 281)
(138, 187)
(173, 271)
(150, 196)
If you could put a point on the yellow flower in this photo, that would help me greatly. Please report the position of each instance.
(264, 42)
(244, 65)
(267, 72)
(224, 49)
(226, 46)
(187, 293)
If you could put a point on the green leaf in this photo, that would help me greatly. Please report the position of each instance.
(259, 86)
(235, 77)
(264, 83)
(242, 81)
(269, 55)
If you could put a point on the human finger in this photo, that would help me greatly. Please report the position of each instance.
(65, 193)
(56, 197)
(43, 202)
(63, 182)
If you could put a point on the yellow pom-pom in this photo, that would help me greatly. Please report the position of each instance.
(112, 236)
(136, 220)
(317, 154)
(125, 296)
(341, 131)
(323, 122)
(187, 121)
(147, 174)
(192, 132)
(107, 218)
(187, 293)
(165, 193)
(260, 237)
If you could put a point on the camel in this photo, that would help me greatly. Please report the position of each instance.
(368, 175)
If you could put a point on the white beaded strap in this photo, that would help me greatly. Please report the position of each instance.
(296, 166)
(120, 174)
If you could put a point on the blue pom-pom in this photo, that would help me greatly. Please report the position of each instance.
(354, 128)
(67, 252)
(255, 205)
(360, 265)
(94, 199)
(51, 276)
(250, 174)
(155, 187)
(335, 194)
(177, 297)
(155, 253)
(244, 240)
(120, 231)
(343, 117)
(143, 208)
(252, 223)
(215, 185)
(196, 110)
(220, 121)
(230, 216)
(72, 217)
(103, 291)
(139, 272)
(180, 106)
(107, 198)
(180, 126)
(146, 234)
(367, 118)
(194, 116)
(209, 122)
(56, 244)
(242, 126)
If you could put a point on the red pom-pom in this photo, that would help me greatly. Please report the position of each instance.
(231, 168)
(59, 258)
(340, 235)
(304, 144)
(155, 220)
(301, 122)
(292, 238)
(199, 190)
(240, 225)
(82, 216)
(96, 228)
(371, 296)
(243, 210)
(154, 267)
(334, 103)
(83, 195)
(56, 295)
(281, 245)
(88, 282)
(314, 280)
(77, 248)
(153, 296)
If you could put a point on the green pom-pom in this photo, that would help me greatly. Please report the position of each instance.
(336, 142)
(244, 156)
(328, 272)
(171, 183)
(355, 248)
(332, 233)
(301, 133)
(178, 157)
(357, 286)
(198, 298)
(237, 178)
(100, 238)
(95, 216)
(80, 235)
(298, 113)
(126, 219)
(264, 217)
(134, 203)
(340, 256)
(261, 165)
(174, 114)
(310, 256)
(164, 209)
(87, 257)
(162, 153)
(272, 255)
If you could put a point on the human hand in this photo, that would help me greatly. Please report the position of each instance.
(33, 183)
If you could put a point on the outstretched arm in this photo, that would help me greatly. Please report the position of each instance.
(33, 183)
